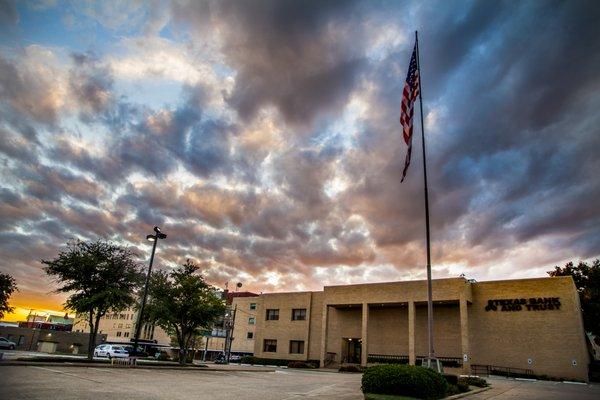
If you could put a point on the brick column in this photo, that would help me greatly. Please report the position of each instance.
(324, 321)
(464, 334)
(411, 333)
(364, 335)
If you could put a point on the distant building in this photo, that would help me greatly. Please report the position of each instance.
(215, 340)
(529, 325)
(48, 321)
(47, 340)
(119, 327)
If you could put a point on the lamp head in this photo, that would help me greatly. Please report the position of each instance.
(150, 238)
(161, 235)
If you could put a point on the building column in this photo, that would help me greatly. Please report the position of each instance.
(412, 359)
(325, 320)
(464, 335)
(364, 353)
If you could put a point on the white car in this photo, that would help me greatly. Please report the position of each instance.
(110, 351)
(7, 344)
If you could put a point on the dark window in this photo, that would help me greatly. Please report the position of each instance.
(270, 346)
(272, 314)
(250, 335)
(119, 334)
(296, 346)
(298, 314)
(253, 306)
(251, 320)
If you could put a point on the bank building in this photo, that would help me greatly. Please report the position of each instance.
(528, 326)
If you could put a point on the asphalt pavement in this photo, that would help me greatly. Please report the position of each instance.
(43, 382)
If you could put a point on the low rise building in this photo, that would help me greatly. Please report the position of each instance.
(533, 325)
(48, 340)
(119, 327)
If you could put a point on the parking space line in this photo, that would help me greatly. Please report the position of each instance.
(66, 373)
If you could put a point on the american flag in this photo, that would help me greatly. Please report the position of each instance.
(409, 95)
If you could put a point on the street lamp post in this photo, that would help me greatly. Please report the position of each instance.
(153, 238)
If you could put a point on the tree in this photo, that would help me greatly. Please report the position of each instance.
(587, 282)
(8, 285)
(183, 304)
(100, 276)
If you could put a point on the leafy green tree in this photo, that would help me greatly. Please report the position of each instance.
(587, 281)
(183, 304)
(99, 276)
(8, 286)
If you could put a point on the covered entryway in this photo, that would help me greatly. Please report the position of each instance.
(351, 350)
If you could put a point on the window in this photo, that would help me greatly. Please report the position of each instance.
(120, 326)
(299, 314)
(126, 334)
(250, 335)
(253, 306)
(272, 314)
(296, 346)
(119, 334)
(270, 346)
(251, 320)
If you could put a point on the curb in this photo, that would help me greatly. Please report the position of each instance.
(104, 365)
(467, 394)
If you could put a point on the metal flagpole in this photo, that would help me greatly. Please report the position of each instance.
(431, 352)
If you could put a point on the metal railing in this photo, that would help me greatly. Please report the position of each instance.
(387, 359)
(329, 359)
(450, 362)
(127, 362)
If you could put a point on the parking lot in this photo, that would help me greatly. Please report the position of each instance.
(33, 382)
(58, 382)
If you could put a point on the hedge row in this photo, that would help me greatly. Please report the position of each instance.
(280, 362)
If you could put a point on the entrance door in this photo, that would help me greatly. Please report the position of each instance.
(354, 351)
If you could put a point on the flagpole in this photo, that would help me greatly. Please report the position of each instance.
(431, 352)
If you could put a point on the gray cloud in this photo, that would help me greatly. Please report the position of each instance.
(510, 90)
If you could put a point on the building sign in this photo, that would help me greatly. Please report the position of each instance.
(531, 304)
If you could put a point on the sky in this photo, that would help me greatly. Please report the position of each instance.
(263, 138)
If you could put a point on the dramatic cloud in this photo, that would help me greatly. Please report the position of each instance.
(263, 137)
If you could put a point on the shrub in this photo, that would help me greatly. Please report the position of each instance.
(274, 361)
(462, 387)
(404, 380)
(451, 379)
(300, 364)
(473, 381)
(351, 368)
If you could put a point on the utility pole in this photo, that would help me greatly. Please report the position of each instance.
(229, 338)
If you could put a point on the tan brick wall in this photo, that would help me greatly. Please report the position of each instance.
(316, 316)
(552, 339)
(242, 326)
(284, 329)
(446, 331)
(388, 332)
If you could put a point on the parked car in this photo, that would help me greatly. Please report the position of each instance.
(7, 344)
(110, 351)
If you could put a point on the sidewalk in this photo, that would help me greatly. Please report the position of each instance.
(506, 388)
